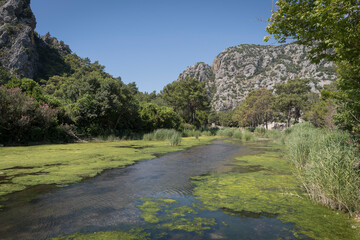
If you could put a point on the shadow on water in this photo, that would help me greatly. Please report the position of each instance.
(110, 200)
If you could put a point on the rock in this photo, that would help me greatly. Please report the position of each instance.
(18, 51)
(238, 70)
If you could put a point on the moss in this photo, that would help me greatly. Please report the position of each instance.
(273, 191)
(170, 216)
(134, 234)
(197, 225)
(65, 164)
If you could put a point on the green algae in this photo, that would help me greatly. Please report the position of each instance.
(133, 234)
(64, 164)
(273, 192)
(170, 216)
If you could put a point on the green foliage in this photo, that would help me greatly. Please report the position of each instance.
(155, 117)
(260, 131)
(224, 119)
(238, 134)
(327, 164)
(189, 98)
(171, 135)
(256, 109)
(291, 99)
(5, 76)
(264, 186)
(23, 119)
(332, 29)
(248, 136)
(321, 112)
(28, 86)
(225, 132)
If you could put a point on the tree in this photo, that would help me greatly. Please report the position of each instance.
(291, 98)
(155, 117)
(256, 109)
(332, 30)
(187, 97)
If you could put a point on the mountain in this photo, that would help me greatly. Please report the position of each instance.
(18, 52)
(238, 70)
(22, 51)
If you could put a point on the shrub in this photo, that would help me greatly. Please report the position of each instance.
(237, 134)
(225, 132)
(247, 136)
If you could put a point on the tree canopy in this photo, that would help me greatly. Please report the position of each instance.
(332, 29)
(189, 98)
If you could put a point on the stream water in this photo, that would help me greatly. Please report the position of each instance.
(110, 201)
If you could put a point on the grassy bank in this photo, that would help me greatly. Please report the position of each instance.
(63, 164)
(328, 165)
(263, 185)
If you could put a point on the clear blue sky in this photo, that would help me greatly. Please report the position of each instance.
(151, 42)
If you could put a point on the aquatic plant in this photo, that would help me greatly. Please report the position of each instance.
(169, 215)
(327, 164)
(64, 164)
(271, 190)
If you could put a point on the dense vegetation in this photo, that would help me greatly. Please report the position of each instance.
(332, 29)
(75, 99)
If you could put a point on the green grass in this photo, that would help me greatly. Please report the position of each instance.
(63, 164)
(327, 165)
(264, 184)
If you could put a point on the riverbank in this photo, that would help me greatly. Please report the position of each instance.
(262, 184)
(64, 164)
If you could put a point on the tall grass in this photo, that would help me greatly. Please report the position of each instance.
(171, 135)
(327, 164)
(225, 132)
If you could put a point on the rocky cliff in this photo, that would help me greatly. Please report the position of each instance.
(17, 39)
(238, 70)
(22, 51)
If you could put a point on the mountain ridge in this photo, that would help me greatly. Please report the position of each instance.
(238, 70)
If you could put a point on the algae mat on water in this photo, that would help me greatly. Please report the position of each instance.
(271, 189)
(63, 164)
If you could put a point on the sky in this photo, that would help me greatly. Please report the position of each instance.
(150, 42)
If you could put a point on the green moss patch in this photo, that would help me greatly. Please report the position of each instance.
(273, 192)
(170, 216)
(134, 234)
(63, 164)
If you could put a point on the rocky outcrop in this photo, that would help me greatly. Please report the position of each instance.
(204, 73)
(239, 70)
(200, 71)
(18, 51)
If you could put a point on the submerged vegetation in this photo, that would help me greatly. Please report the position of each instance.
(264, 185)
(63, 164)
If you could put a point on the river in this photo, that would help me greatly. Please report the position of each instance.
(111, 201)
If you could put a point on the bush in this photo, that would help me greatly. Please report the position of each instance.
(225, 132)
(247, 136)
(237, 134)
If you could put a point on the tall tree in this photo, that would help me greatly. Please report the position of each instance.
(291, 98)
(188, 97)
(256, 109)
(332, 29)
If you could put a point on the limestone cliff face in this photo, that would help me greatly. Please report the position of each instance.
(17, 40)
(241, 69)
